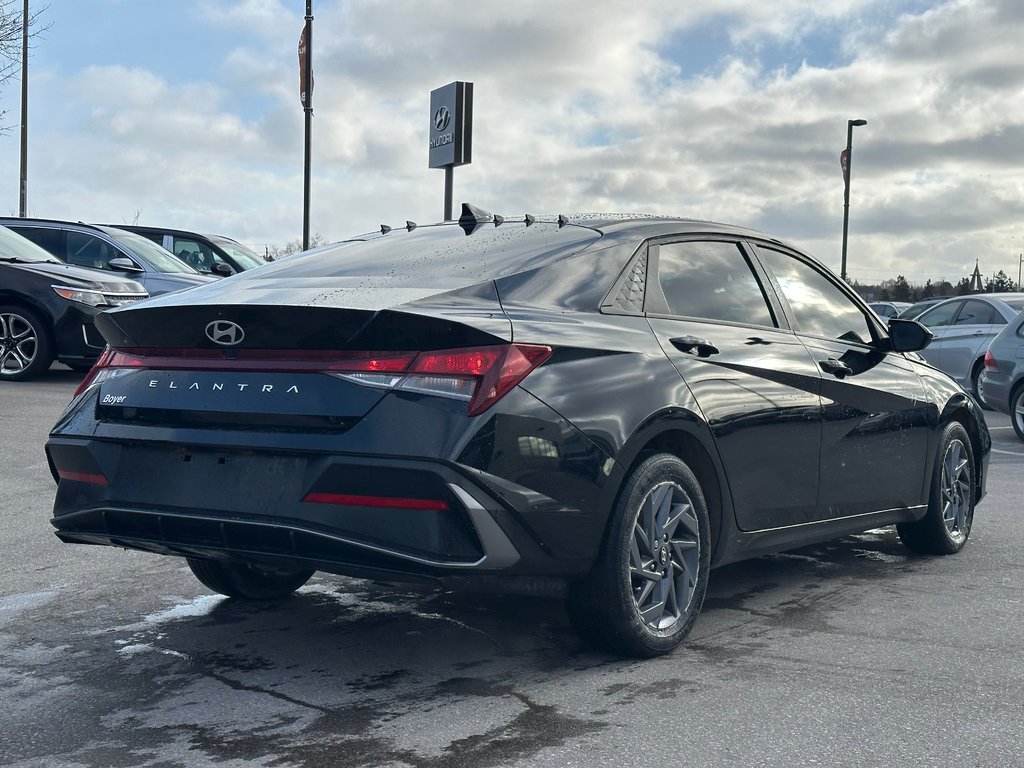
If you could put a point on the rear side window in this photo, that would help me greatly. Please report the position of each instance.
(820, 307)
(712, 280)
(978, 313)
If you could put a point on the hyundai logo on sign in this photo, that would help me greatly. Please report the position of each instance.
(441, 118)
(225, 332)
(451, 125)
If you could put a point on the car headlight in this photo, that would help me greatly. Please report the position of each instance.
(92, 298)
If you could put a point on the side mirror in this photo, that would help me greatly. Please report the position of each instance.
(124, 264)
(222, 269)
(908, 335)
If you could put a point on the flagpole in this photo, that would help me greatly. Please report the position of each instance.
(308, 105)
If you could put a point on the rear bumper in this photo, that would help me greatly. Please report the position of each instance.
(255, 506)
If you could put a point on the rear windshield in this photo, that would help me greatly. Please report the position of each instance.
(440, 255)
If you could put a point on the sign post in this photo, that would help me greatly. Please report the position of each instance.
(451, 133)
(306, 97)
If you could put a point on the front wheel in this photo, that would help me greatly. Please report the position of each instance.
(644, 593)
(25, 346)
(246, 580)
(947, 524)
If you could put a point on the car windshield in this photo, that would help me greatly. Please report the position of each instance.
(238, 252)
(160, 259)
(14, 247)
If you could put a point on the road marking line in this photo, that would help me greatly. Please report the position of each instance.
(1008, 453)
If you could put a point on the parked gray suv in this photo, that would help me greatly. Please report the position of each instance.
(113, 250)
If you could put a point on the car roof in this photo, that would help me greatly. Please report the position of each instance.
(15, 220)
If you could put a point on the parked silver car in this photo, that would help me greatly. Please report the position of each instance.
(1002, 384)
(887, 309)
(963, 328)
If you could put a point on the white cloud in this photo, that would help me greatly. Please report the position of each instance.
(578, 106)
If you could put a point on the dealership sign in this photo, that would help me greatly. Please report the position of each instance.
(451, 125)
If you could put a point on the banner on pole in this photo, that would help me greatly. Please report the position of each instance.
(302, 71)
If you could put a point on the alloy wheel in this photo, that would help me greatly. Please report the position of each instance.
(1017, 413)
(18, 344)
(956, 489)
(664, 556)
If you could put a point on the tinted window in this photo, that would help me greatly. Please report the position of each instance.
(820, 307)
(978, 313)
(89, 251)
(712, 280)
(941, 316)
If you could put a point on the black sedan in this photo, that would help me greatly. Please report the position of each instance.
(606, 405)
(48, 309)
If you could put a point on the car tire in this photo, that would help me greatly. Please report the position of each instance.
(26, 347)
(644, 593)
(976, 389)
(947, 523)
(1017, 409)
(246, 581)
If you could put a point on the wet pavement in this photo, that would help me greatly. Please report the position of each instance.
(852, 652)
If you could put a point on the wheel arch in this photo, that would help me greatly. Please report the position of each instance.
(26, 302)
(685, 436)
(966, 412)
(8, 299)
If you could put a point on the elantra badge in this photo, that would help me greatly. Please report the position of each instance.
(225, 332)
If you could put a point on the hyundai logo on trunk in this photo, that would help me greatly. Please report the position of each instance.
(225, 332)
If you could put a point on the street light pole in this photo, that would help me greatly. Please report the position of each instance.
(23, 193)
(847, 172)
(1020, 260)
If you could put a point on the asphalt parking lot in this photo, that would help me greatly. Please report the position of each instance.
(850, 653)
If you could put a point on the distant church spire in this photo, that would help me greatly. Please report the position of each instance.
(976, 279)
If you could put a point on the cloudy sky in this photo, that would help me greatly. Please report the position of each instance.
(186, 113)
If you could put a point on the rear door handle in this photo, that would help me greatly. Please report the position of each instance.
(837, 368)
(694, 345)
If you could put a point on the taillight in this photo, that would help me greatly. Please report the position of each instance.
(990, 363)
(480, 375)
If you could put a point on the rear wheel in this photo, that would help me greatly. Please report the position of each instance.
(976, 387)
(1017, 410)
(246, 580)
(947, 524)
(25, 346)
(645, 591)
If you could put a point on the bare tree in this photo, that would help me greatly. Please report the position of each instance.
(294, 246)
(11, 20)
